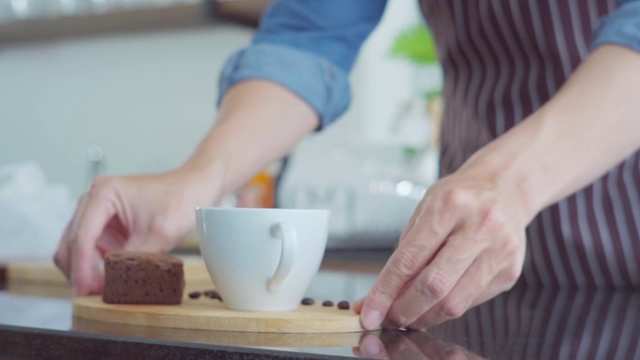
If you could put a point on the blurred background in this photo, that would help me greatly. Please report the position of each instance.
(91, 87)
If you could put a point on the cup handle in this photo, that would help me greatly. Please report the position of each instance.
(287, 233)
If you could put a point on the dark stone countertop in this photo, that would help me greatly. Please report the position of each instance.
(525, 323)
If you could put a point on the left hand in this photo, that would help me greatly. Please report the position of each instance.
(464, 245)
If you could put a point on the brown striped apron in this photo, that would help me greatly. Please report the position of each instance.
(503, 59)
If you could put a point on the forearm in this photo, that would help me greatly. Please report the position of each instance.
(258, 122)
(592, 124)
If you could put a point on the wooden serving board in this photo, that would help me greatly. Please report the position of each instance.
(207, 314)
(232, 338)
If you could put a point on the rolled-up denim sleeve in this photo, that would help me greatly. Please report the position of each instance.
(621, 27)
(309, 47)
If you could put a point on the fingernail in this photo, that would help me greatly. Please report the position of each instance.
(371, 345)
(372, 320)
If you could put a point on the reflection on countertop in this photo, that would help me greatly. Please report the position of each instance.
(533, 323)
(525, 323)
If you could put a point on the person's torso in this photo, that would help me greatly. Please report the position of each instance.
(502, 60)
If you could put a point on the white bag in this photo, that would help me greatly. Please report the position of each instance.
(33, 214)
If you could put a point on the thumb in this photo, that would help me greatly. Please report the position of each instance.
(86, 277)
(85, 257)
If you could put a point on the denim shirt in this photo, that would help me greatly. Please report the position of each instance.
(309, 47)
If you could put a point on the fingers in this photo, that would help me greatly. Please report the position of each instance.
(110, 240)
(462, 296)
(503, 282)
(437, 280)
(62, 257)
(419, 246)
(371, 347)
(409, 345)
(494, 289)
(123, 213)
(153, 241)
(434, 348)
(465, 242)
(401, 347)
(477, 285)
(85, 275)
(357, 306)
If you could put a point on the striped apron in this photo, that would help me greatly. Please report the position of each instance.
(502, 60)
(537, 323)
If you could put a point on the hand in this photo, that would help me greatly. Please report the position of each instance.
(409, 345)
(145, 213)
(464, 245)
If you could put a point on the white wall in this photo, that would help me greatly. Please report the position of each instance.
(147, 99)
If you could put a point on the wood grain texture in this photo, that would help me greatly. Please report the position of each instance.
(206, 314)
(47, 273)
(44, 279)
(231, 338)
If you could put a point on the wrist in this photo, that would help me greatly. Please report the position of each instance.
(514, 182)
(516, 162)
(205, 177)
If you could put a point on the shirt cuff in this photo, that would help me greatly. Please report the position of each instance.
(317, 81)
(621, 28)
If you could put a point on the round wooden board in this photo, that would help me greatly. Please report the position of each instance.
(207, 314)
(232, 338)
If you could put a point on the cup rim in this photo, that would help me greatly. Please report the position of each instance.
(235, 209)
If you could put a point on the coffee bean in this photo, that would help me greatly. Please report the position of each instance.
(212, 294)
(327, 303)
(307, 301)
(195, 294)
(343, 305)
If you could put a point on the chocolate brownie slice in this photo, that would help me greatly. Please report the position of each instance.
(142, 278)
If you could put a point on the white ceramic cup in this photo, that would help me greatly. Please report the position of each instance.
(262, 259)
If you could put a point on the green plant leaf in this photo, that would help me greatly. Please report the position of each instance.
(416, 45)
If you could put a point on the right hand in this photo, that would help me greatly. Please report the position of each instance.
(414, 345)
(145, 213)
